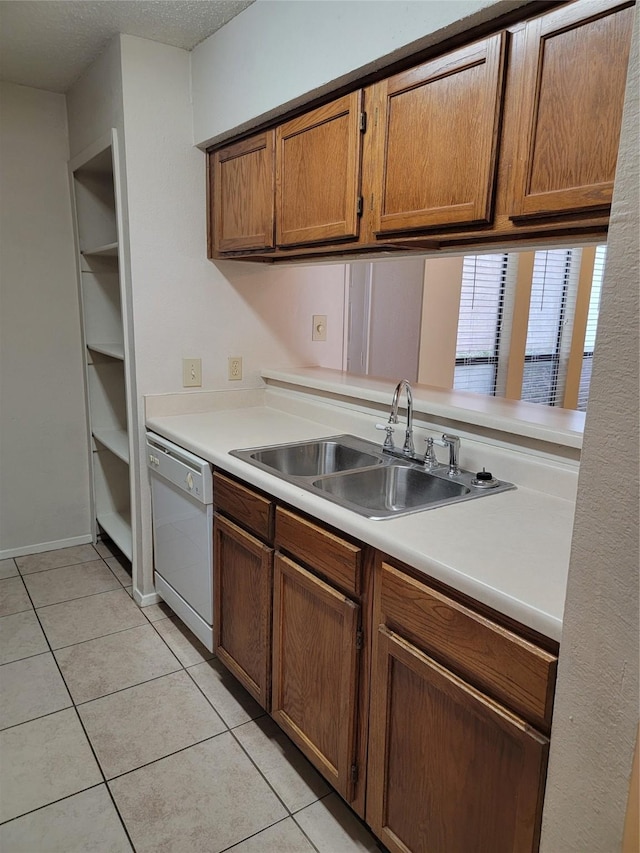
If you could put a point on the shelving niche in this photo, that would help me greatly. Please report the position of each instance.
(93, 177)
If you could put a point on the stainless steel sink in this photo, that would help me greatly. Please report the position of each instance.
(313, 458)
(390, 490)
(358, 475)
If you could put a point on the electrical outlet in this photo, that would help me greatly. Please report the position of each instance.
(234, 368)
(319, 332)
(191, 372)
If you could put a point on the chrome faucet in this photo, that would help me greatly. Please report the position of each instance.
(453, 443)
(408, 447)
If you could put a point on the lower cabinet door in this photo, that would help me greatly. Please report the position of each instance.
(243, 570)
(315, 670)
(450, 770)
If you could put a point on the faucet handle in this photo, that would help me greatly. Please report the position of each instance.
(388, 440)
(430, 458)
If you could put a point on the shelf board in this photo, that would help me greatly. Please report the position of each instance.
(112, 350)
(115, 440)
(118, 527)
(110, 249)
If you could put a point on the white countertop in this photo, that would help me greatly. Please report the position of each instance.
(543, 423)
(509, 551)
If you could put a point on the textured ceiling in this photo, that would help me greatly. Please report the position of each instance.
(47, 44)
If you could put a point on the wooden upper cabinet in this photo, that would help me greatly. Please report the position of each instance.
(436, 141)
(572, 94)
(242, 195)
(318, 174)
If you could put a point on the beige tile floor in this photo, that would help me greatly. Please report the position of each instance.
(119, 731)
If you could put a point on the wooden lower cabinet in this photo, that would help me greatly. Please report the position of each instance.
(316, 644)
(450, 770)
(427, 712)
(242, 606)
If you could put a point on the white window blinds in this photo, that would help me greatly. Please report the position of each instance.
(550, 319)
(592, 327)
(479, 322)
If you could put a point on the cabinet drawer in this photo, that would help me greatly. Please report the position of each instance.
(251, 510)
(340, 561)
(493, 658)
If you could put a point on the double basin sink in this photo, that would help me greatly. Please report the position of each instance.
(358, 475)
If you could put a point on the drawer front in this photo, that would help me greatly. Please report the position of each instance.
(251, 510)
(340, 561)
(493, 658)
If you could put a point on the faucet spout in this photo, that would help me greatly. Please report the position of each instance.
(408, 447)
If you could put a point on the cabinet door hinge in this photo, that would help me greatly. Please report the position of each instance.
(359, 639)
(354, 774)
(363, 122)
(360, 205)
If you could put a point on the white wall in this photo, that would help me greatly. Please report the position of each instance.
(94, 102)
(271, 56)
(44, 486)
(183, 304)
(440, 310)
(596, 714)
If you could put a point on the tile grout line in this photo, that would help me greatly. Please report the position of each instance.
(64, 566)
(182, 667)
(290, 814)
(93, 752)
(80, 597)
(264, 829)
(52, 803)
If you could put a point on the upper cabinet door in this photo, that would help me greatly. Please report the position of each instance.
(241, 195)
(572, 95)
(318, 174)
(436, 148)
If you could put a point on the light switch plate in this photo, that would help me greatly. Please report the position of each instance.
(191, 372)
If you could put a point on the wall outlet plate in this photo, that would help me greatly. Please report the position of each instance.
(191, 372)
(319, 332)
(234, 369)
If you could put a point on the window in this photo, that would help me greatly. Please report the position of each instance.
(591, 328)
(480, 323)
(550, 311)
(555, 295)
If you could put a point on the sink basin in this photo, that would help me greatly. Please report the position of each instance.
(357, 475)
(390, 490)
(313, 458)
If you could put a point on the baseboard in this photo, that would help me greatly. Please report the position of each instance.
(7, 553)
(146, 600)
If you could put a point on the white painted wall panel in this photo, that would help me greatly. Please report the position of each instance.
(44, 479)
(184, 305)
(94, 103)
(272, 56)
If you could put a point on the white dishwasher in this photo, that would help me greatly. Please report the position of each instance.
(182, 513)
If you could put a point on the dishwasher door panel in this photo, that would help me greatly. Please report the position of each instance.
(183, 536)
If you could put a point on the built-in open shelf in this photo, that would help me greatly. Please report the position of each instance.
(110, 249)
(118, 527)
(95, 174)
(112, 350)
(115, 440)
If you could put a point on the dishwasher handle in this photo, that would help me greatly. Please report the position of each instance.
(187, 472)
